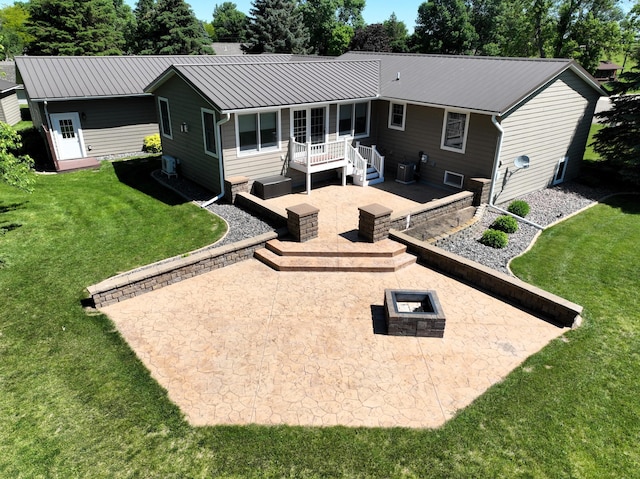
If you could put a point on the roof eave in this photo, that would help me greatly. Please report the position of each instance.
(296, 105)
(440, 106)
(81, 98)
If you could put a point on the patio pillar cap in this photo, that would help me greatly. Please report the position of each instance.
(376, 210)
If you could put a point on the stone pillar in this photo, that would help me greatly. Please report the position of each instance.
(302, 222)
(375, 221)
(235, 185)
(481, 188)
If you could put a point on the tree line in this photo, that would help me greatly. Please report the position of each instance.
(586, 30)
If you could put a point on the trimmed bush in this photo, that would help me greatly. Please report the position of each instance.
(505, 223)
(519, 208)
(494, 238)
(152, 144)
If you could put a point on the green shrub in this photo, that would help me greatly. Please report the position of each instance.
(519, 208)
(505, 223)
(152, 144)
(494, 238)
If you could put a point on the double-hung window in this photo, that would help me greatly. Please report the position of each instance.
(165, 117)
(209, 118)
(258, 131)
(397, 115)
(454, 131)
(353, 119)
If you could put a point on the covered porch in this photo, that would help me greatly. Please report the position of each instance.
(364, 163)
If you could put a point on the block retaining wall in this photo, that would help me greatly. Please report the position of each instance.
(510, 289)
(417, 217)
(166, 272)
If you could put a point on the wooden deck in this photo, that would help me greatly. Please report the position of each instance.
(79, 164)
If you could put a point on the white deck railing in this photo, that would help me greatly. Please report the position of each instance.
(310, 154)
(372, 157)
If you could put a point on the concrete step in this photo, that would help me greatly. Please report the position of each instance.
(382, 249)
(334, 263)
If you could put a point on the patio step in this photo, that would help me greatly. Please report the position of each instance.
(383, 257)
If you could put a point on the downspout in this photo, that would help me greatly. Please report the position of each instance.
(222, 121)
(494, 175)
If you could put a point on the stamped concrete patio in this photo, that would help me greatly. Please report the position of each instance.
(246, 344)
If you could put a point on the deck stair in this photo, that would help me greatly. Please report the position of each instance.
(381, 257)
(372, 177)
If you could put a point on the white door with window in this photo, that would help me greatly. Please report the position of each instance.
(67, 135)
(310, 125)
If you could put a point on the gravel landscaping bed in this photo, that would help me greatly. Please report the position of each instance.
(547, 207)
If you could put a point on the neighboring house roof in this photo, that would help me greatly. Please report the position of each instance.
(240, 86)
(8, 70)
(222, 48)
(607, 66)
(6, 86)
(69, 78)
(483, 84)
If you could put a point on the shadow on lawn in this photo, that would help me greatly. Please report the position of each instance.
(136, 173)
(627, 203)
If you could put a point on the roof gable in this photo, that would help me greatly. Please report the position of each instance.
(483, 84)
(259, 85)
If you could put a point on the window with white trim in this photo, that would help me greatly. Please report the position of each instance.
(257, 131)
(561, 168)
(209, 118)
(397, 115)
(453, 179)
(310, 124)
(165, 117)
(353, 119)
(454, 131)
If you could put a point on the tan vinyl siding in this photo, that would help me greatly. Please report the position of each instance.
(10, 109)
(550, 126)
(112, 126)
(423, 132)
(185, 107)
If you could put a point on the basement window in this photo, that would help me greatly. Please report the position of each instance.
(453, 179)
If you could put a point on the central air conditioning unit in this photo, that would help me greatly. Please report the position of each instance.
(169, 165)
(406, 172)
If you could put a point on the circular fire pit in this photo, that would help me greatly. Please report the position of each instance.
(413, 313)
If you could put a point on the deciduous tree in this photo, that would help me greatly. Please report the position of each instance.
(444, 26)
(13, 28)
(14, 170)
(230, 24)
(619, 141)
(323, 17)
(372, 38)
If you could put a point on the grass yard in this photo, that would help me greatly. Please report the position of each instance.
(590, 154)
(75, 401)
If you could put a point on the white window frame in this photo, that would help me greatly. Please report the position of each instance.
(394, 126)
(308, 121)
(259, 148)
(556, 180)
(464, 134)
(448, 173)
(162, 125)
(353, 119)
(204, 111)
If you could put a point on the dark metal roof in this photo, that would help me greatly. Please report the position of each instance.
(257, 85)
(65, 78)
(6, 86)
(483, 84)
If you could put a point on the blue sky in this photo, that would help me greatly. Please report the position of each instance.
(375, 11)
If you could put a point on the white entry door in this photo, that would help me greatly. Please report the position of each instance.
(67, 135)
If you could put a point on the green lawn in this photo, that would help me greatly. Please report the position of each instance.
(589, 153)
(75, 401)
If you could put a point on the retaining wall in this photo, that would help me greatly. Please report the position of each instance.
(505, 287)
(416, 217)
(166, 272)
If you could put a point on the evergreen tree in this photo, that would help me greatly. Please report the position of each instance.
(142, 41)
(173, 29)
(619, 141)
(230, 24)
(397, 33)
(276, 26)
(444, 26)
(74, 27)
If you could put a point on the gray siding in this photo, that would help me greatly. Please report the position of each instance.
(10, 109)
(423, 132)
(550, 126)
(112, 126)
(188, 148)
